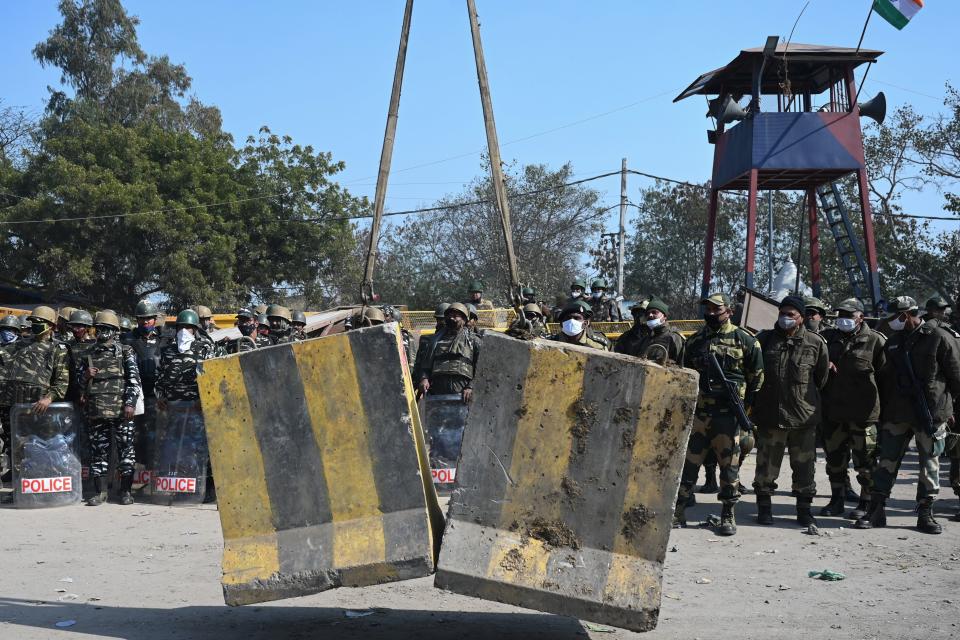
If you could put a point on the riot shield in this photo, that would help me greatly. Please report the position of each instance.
(444, 417)
(46, 464)
(144, 446)
(178, 475)
(83, 447)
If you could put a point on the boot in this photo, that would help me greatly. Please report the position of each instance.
(764, 510)
(849, 493)
(126, 484)
(835, 507)
(876, 517)
(680, 517)
(710, 484)
(692, 500)
(804, 517)
(925, 520)
(860, 510)
(99, 492)
(728, 522)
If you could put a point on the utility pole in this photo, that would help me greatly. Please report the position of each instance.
(770, 237)
(386, 156)
(622, 236)
(493, 147)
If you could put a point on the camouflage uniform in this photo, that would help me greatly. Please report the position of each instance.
(606, 310)
(177, 372)
(449, 361)
(715, 427)
(146, 346)
(39, 369)
(6, 356)
(851, 406)
(115, 386)
(788, 409)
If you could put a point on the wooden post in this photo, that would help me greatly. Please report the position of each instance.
(386, 156)
(622, 236)
(493, 148)
(751, 229)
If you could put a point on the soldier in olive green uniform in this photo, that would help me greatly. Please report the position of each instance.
(921, 377)
(451, 357)
(476, 297)
(629, 340)
(715, 425)
(280, 329)
(938, 310)
(10, 341)
(660, 342)
(531, 325)
(298, 320)
(425, 340)
(851, 404)
(110, 386)
(146, 344)
(605, 308)
(938, 315)
(39, 371)
(81, 325)
(815, 315)
(62, 330)
(788, 408)
(247, 325)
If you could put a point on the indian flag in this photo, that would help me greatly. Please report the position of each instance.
(897, 12)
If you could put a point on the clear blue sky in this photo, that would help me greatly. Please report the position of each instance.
(321, 72)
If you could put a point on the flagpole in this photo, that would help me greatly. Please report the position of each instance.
(864, 32)
(853, 102)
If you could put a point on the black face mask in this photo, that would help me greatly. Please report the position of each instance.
(39, 328)
(811, 324)
(713, 321)
(452, 324)
(105, 334)
(247, 329)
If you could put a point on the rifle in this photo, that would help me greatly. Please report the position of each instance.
(919, 397)
(732, 393)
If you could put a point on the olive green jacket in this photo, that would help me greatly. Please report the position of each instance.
(935, 356)
(852, 392)
(795, 369)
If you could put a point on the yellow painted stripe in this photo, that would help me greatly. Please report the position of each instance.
(334, 401)
(250, 545)
(660, 390)
(541, 454)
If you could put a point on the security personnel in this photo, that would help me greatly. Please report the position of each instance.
(529, 296)
(110, 386)
(280, 329)
(533, 313)
(660, 342)
(39, 371)
(62, 331)
(371, 317)
(81, 326)
(476, 297)
(851, 405)
(815, 314)
(146, 344)
(788, 408)
(921, 378)
(715, 425)
(206, 318)
(263, 330)
(450, 363)
(425, 340)
(10, 341)
(630, 339)
(473, 318)
(298, 320)
(577, 290)
(575, 326)
(938, 312)
(392, 314)
(605, 308)
(247, 324)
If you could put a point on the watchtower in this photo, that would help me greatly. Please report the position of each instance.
(811, 140)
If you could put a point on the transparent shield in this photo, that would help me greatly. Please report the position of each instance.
(45, 452)
(178, 474)
(444, 417)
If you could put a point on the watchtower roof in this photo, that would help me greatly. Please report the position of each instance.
(811, 68)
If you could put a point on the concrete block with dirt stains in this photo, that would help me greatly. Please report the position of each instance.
(567, 480)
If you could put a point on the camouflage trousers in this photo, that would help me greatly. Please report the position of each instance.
(894, 438)
(99, 431)
(802, 447)
(717, 433)
(841, 440)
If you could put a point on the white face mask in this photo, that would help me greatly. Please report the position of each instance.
(572, 327)
(846, 324)
(654, 323)
(576, 293)
(184, 340)
(597, 294)
(786, 322)
(897, 324)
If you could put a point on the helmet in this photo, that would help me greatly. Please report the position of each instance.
(599, 283)
(107, 318)
(476, 286)
(528, 291)
(532, 308)
(473, 312)
(245, 313)
(459, 308)
(297, 317)
(24, 322)
(391, 312)
(441, 310)
(577, 306)
(188, 317)
(278, 311)
(146, 309)
(44, 313)
(373, 314)
(126, 324)
(81, 318)
(262, 320)
(578, 282)
(11, 321)
(816, 304)
(204, 312)
(64, 313)
(260, 308)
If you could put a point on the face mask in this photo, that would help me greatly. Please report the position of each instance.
(897, 324)
(105, 334)
(8, 335)
(39, 328)
(572, 327)
(597, 295)
(712, 321)
(656, 322)
(247, 329)
(576, 294)
(452, 324)
(184, 340)
(812, 325)
(786, 322)
(846, 324)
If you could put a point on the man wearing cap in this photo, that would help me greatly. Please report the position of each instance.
(916, 390)
(629, 340)
(534, 326)
(788, 408)
(715, 425)
(476, 297)
(660, 342)
(938, 313)
(247, 324)
(851, 405)
(451, 357)
(423, 343)
(575, 326)
(605, 308)
(815, 314)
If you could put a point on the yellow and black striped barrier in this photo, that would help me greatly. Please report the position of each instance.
(567, 480)
(321, 470)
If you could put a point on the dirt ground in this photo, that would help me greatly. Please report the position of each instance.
(146, 572)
